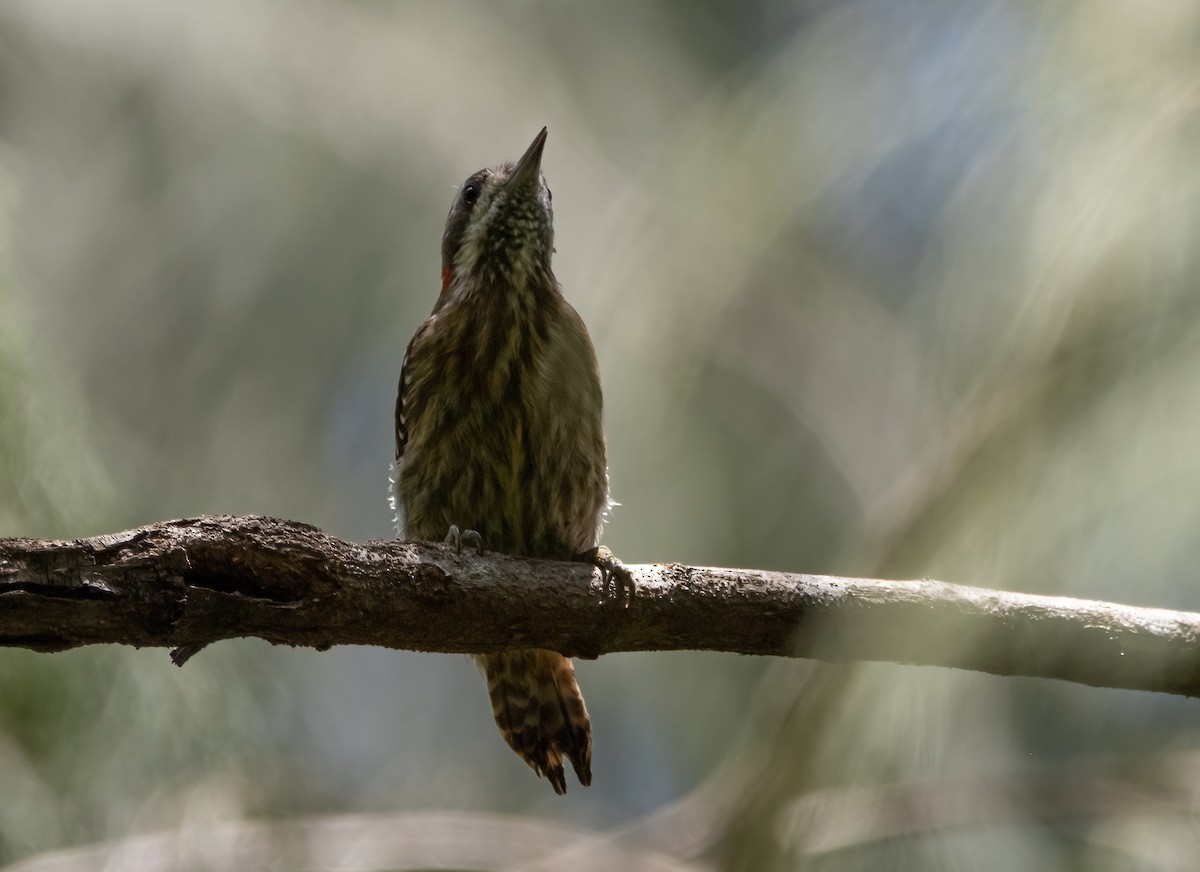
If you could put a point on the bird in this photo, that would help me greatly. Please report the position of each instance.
(500, 439)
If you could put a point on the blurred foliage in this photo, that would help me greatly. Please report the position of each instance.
(894, 287)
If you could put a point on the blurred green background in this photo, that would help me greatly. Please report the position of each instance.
(883, 287)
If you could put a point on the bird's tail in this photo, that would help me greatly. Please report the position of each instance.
(540, 711)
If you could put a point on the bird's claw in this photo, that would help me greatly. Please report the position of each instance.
(614, 574)
(457, 538)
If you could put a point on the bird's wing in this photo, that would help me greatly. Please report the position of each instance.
(402, 389)
(401, 427)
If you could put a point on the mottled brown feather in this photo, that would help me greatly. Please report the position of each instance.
(498, 430)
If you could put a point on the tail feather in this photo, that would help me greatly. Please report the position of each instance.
(540, 711)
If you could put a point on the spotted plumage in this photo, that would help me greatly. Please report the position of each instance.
(498, 430)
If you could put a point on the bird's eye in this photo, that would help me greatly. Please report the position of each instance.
(470, 193)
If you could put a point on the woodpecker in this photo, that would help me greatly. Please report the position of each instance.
(499, 435)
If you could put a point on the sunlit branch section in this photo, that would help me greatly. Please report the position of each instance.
(186, 584)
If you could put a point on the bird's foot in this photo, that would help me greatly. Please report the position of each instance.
(614, 573)
(458, 538)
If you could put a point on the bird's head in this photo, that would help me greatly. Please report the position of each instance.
(500, 230)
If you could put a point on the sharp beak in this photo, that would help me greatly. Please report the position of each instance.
(529, 167)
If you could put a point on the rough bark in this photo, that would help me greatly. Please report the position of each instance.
(185, 584)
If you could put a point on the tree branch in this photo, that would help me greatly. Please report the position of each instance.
(189, 583)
